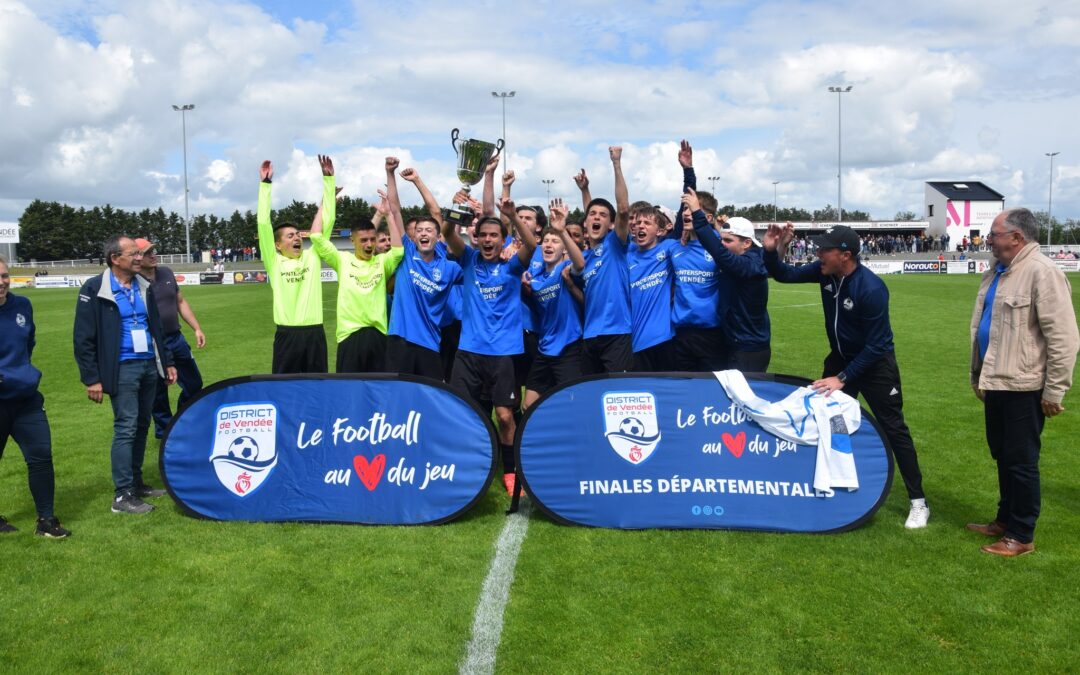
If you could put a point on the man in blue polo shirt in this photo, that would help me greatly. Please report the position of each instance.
(491, 329)
(608, 347)
(120, 350)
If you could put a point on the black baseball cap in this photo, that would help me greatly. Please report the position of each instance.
(839, 236)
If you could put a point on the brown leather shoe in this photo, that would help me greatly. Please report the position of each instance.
(1008, 547)
(994, 529)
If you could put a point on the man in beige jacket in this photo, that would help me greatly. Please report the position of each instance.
(1023, 348)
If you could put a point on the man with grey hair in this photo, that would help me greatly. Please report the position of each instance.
(1024, 342)
(120, 350)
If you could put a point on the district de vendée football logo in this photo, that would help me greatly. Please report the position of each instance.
(245, 446)
(630, 424)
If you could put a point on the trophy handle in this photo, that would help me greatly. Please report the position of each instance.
(499, 145)
(454, 139)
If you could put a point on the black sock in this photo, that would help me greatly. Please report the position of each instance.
(507, 454)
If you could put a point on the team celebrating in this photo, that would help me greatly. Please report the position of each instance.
(521, 301)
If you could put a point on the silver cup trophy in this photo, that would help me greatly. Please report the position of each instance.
(472, 157)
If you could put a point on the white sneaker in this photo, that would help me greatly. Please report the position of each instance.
(919, 514)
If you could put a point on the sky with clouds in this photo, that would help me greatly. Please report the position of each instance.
(941, 90)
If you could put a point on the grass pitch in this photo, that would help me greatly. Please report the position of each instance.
(164, 592)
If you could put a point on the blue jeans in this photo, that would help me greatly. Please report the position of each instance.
(187, 376)
(132, 404)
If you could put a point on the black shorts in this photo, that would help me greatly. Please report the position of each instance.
(656, 359)
(700, 349)
(523, 362)
(363, 351)
(299, 349)
(549, 372)
(486, 378)
(451, 336)
(408, 358)
(607, 354)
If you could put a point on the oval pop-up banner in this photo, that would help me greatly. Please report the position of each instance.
(674, 451)
(369, 449)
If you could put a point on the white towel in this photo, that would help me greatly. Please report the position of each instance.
(807, 418)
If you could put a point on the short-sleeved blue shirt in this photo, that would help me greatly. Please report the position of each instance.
(491, 305)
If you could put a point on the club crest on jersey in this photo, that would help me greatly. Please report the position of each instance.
(436, 274)
(630, 424)
(661, 256)
(245, 446)
(708, 257)
(20, 321)
(848, 303)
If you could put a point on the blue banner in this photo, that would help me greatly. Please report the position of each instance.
(674, 451)
(371, 449)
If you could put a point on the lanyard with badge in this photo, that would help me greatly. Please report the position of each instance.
(140, 342)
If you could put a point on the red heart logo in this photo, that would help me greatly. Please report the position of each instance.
(735, 444)
(369, 473)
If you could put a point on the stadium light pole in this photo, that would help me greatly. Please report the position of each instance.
(504, 95)
(839, 146)
(712, 184)
(548, 182)
(1050, 202)
(183, 110)
(774, 184)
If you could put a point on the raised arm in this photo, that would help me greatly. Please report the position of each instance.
(489, 185)
(262, 216)
(524, 233)
(777, 239)
(432, 206)
(392, 192)
(622, 197)
(557, 221)
(322, 225)
(507, 181)
(686, 161)
(452, 237)
(382, 210)
(583, 184)
(327, 212)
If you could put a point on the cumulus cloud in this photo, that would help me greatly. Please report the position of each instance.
(86, 90)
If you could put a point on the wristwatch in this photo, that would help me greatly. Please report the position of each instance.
(842, 377)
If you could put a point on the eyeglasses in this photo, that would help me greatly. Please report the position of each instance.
(995, 235)
(133, 254)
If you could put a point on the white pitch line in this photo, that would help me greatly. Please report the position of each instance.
(811, 304)
(488, 620)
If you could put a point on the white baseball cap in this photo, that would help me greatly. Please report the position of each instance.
(741, 227)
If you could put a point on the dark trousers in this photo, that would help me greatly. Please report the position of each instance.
(880, 386)
(299, 349)
(24, 420)
(751, 362)
(1014, 424)
(187, 376)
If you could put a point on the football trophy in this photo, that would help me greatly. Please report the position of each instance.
(473, 156)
